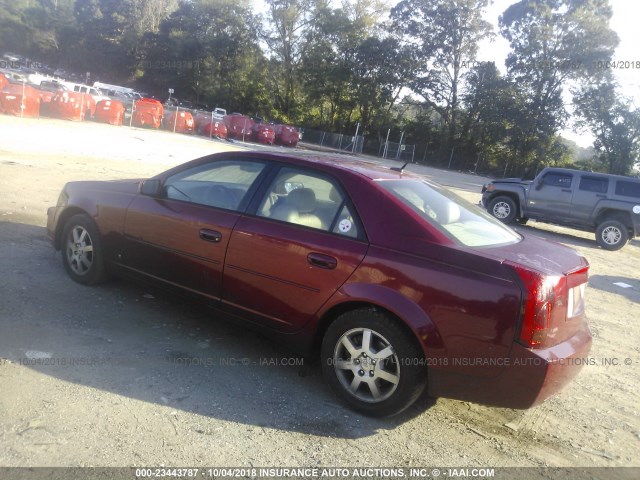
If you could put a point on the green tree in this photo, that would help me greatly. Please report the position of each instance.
(382, 69)
(613, 123)
(553, 43)
(444, 35)
(32, 27)
(208, 52)
(285, 36)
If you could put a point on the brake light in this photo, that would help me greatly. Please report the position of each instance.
(544, 306)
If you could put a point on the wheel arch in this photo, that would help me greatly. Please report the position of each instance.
(409, 315)
(621, 216)
(517, 197)
(62, 220)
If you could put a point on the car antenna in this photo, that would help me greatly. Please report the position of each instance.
(399, 169)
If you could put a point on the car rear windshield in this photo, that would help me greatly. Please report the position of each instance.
(462, 221)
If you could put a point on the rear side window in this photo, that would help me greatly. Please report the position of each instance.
(465, 223)
(555, 179)
(310, 200)
(594, 184)
(628, 189)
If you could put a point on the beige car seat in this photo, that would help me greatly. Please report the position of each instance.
(298, 207)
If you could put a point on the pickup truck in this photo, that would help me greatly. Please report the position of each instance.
(608, 205)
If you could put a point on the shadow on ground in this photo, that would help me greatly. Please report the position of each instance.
(627, 287)
(143, 343)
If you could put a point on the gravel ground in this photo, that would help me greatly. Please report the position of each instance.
(113, 375)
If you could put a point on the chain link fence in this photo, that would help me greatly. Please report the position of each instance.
(338, 141)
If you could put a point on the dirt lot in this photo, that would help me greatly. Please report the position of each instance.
(118, 395)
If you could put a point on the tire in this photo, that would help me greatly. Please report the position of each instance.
(503, 208)
(612, 235)
(82, 254)
(393, 363)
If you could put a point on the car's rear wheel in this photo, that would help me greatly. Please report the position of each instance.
(612, 235)
(503, 208)
(372, 363)
(82, 254)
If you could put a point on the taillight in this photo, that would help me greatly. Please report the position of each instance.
(544, 306)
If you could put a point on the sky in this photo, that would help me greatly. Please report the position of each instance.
(624, 22)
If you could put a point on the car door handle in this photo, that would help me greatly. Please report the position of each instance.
(566, 190)
(600, 195)
(210, 235)
(322, 261)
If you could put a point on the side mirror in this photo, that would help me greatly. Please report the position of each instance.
(151, 187)
(539, 184)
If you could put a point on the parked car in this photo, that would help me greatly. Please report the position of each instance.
(109, 111)
(208, 127)
(608, 205)
(19, 100)
(3, 81)
(52, 86)
(126, 99)
(219, 113)
(147, 112)
(14, 76)
(87, 90)
(239, 126)
(68, 105)
(286, 135)
(48, 89)
(179, 121)
(395, 282)
(263, 133)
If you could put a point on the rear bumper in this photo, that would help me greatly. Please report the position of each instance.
(528, 378)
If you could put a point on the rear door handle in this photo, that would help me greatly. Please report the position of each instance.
(322, 261)
(210, 235)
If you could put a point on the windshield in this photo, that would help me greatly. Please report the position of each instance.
(457, 218)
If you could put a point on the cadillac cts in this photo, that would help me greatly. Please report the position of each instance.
(396, 283)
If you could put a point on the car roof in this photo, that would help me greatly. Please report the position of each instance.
(359, 166)
(595, 174)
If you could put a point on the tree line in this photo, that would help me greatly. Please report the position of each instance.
(411, 67)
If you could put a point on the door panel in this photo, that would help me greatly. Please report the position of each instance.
(589, 192)
(283, 272)
(181, 243)
(552, 199)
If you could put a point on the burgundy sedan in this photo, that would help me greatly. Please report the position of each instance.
(396, 283)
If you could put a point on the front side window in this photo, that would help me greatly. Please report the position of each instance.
(451, 214)
(222, 184)
(555, 179)
(310, 200)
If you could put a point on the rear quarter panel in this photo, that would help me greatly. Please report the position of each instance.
(463, 315)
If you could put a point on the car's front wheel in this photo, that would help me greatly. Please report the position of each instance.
(503, 208)
(370, 361)
(612, 235)
(82, 254)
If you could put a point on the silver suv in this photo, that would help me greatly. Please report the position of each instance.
(608, 205)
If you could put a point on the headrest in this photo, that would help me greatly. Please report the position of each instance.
(302, 199)
(334, 195)
(452, 214)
